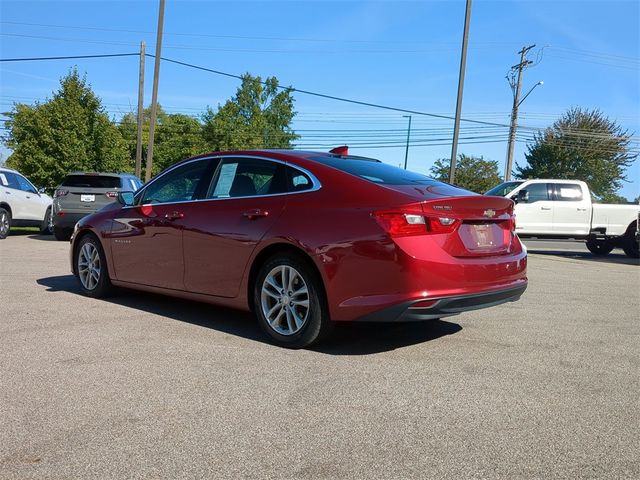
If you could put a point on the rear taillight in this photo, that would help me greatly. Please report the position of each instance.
(60, 193)
(411, 220)
(112, 194)
(399, 224)
(441, 224)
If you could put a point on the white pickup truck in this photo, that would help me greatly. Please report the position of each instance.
(565, 209)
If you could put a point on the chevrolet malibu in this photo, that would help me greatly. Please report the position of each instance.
(304, 240)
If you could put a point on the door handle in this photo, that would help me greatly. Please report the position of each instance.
(255, 213)
(174, 216)
(545, 208)
(582, 209)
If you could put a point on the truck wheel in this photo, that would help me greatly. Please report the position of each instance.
(630, 243)
(599, 247)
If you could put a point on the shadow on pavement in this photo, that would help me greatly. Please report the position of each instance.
(613, 257)
(46, 238)
(346, 339)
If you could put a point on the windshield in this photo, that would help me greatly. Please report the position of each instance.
(503, 189)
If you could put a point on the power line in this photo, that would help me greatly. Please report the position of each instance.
(67, 57)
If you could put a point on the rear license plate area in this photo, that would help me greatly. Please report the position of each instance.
(484, 237)
(87, 198)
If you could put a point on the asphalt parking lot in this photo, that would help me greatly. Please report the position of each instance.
(143, 386)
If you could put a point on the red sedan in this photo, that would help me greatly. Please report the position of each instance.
(305, 239)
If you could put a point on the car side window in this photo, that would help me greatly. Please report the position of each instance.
(8, 179)
(248, 177)
(25, 185)
(179, 185)
(568, 192)
(537, 192)
(298, 181)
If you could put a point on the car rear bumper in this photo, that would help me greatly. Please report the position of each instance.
(68, 219)
(444, 307)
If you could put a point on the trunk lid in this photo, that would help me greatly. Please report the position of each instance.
(482, 226)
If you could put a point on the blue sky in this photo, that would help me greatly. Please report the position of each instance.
(401, 54)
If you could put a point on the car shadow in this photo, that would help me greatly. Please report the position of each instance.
(613, 257)
(46, 238)
(345, 339)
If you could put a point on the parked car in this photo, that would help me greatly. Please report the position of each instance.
(565, 209)
(22, 204)
(305, 239)
(81, 194)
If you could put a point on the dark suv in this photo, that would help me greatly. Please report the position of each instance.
(81, 194)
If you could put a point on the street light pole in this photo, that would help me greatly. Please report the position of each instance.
(463, 63)
(406, 152)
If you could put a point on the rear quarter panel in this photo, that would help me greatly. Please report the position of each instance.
(615, 218)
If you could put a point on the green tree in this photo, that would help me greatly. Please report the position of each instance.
(71, 131)
(473, 173)
(177, 137)
(582, 145)
(258, 116)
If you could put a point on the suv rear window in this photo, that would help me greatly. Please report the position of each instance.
(376, 171)
(91, 181)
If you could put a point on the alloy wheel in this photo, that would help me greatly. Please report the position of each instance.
(89, 266)
(4, 223)
(285, 300)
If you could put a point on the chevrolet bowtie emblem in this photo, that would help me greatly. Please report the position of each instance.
(489, 213)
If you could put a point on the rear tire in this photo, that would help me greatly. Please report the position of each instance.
(600, 247)
(5, 223)
(630, 244)
(290, 303)
(63, 234)
(47, 227)
(90, 265)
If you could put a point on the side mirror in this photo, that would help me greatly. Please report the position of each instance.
(522, 197)
(41, 190)
(126, 198)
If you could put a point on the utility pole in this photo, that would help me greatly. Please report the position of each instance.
(516, 84)
(154, 94)
(406, 152)
(463, 63)
(140, 112)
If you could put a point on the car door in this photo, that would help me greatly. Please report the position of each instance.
(16, 198)
(147, 238)
(534, 208)
(571, 209)
(34, 207)
(244, 201)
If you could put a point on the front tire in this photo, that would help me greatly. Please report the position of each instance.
(5, 223)
(90, 265)
(599, 247)
(290, 303)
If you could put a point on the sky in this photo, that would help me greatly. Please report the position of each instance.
(400, 54)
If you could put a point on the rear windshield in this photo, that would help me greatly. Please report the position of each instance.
(91, 181)
(376, 172)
